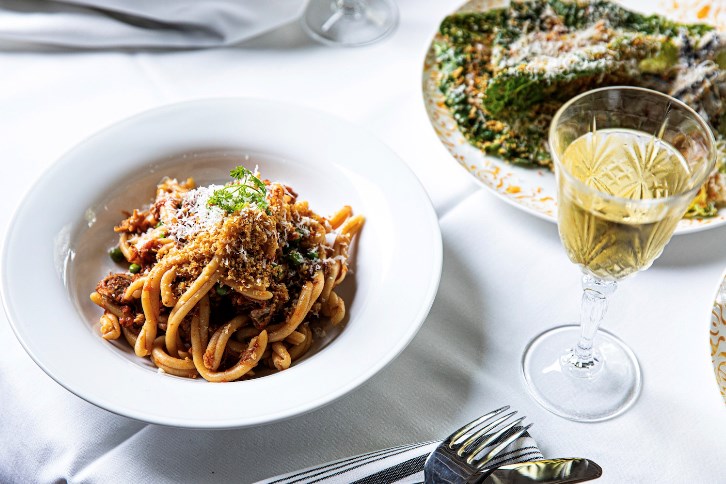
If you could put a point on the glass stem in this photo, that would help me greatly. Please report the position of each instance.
(583, 361)
(352, 8)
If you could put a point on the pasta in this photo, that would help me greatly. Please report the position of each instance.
(223, 281)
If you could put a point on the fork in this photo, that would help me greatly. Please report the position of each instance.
(458, 459)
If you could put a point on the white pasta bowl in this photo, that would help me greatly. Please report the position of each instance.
(395, 263)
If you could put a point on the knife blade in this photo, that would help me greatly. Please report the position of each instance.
(549, 471)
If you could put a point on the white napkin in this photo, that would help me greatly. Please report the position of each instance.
(141, 23)
(399, 465)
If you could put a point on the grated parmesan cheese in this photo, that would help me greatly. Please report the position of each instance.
(549, 55)
(195, 214)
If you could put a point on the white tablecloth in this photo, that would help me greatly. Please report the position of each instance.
(505, 279)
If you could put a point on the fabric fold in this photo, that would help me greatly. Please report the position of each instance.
(93, 24)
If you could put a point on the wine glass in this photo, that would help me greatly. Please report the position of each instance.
(628, 162)
(350, 22)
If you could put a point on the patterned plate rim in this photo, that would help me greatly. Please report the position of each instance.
(717, 335)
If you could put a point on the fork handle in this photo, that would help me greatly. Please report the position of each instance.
(445, 468)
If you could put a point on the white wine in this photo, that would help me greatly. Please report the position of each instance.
(602, 230)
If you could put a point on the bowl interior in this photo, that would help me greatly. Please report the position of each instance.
(90, 240)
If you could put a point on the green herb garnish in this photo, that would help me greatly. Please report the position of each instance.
(313, 254)
(247, 189)
(295, 258)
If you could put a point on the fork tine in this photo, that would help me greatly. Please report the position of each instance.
(500, 447)
(492, 438)
(483, 431)
(463, 430)
(451, 461)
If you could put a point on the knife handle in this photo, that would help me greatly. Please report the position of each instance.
(545, 471)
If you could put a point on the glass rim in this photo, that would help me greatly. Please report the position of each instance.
(614, 198)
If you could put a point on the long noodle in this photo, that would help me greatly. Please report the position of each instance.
(168, 298)
(189, 299)
(150, 299)
(309, 294)
(239, 293)
(218, 342)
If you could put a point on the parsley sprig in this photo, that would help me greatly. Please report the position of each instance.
(247, 189)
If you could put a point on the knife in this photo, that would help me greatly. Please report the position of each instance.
(549, 471)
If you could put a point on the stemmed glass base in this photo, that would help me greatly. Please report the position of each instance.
(590, 394)
(350, 22)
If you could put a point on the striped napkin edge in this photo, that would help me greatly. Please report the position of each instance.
(400, 465)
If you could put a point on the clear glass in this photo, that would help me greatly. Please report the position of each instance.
(618, 205)
(350, 22)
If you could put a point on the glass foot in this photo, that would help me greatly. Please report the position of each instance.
(350, 22)
(604, 394)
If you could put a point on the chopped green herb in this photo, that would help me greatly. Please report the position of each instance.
(701, 211)
(295, 258)
(158, 224)
(701, 207)
(222, 290)
(313, 254)
(116, 255)
(134, 268)
(246, 190)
